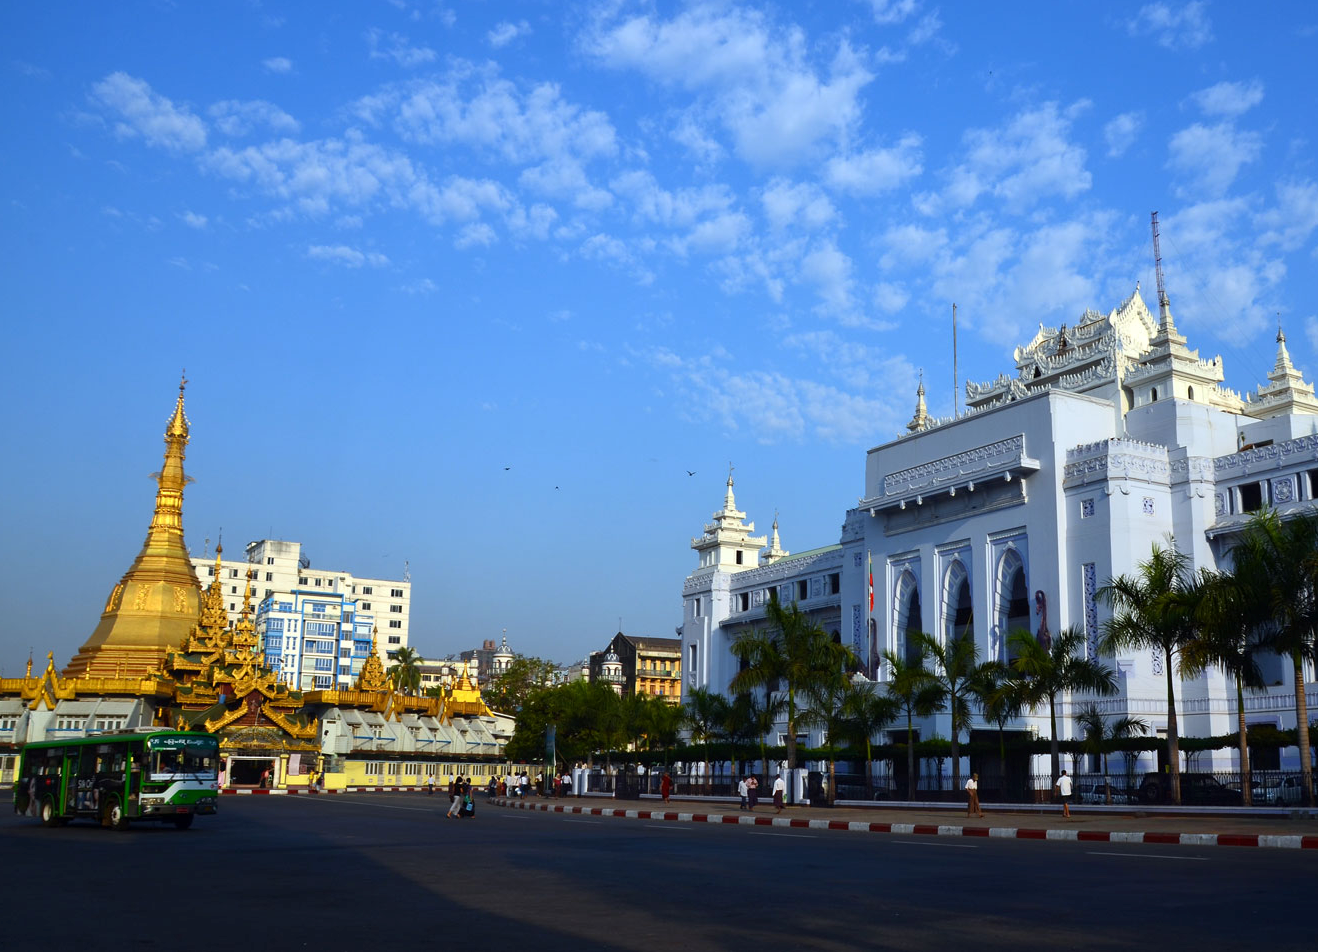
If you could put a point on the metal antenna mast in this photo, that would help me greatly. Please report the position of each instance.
(1163, 304)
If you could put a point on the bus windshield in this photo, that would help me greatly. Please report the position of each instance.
(198, 758)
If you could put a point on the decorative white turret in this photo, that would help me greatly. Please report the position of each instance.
(1285, 393)
(727, 545)
(921, 419)
(775, 551)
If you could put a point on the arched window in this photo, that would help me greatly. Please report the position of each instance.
(1190, 392)
(957, 610)
(1013, 608)
(1153, 395)
(909, 617)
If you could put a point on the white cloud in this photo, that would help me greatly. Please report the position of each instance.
(1121, 132)
(1209, 157)
(1025, 161)
(278, 64)
(393, 46)
(459, 199)
(236, 119)
(423, 287)
(193, 220)
(348, 257)
(791, 205)
(702, 146)
(143, 112)
(1294, 219)
(877, 170)
(1185, 28)
(505, 32)
(475, 107)
(474, 235)
(672, 209)
(1229, 99)
(756, 77)
(893, 11)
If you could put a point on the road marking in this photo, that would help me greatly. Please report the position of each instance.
(799, 836)
(950, 846)
(569, 820)
(1200, 859)
(670, 826)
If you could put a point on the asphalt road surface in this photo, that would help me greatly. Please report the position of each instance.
(369, 871)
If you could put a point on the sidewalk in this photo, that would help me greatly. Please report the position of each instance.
(1087, 824)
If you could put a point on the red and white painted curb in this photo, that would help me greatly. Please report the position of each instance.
(1272, 841)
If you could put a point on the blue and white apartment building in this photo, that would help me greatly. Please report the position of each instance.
(316, 625)
(1111, 437)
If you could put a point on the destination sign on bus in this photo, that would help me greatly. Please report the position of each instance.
(180, 742)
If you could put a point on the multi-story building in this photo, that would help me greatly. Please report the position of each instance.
(316, 625)
(1112, 437)
(634, 665)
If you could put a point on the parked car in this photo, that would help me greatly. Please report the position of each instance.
(1289, 791)
(1197, 789)
(1097, 793)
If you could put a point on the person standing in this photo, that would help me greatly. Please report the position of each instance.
(1063, 787)
(430, 784)
(972, 794)
(665, 786)
(743, 791)
(779, 790)
(752, 792)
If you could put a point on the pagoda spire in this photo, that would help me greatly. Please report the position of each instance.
(921, 419)
(155, 604)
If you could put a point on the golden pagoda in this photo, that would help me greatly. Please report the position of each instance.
(156, 602)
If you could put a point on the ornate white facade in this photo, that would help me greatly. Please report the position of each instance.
(1112, 437)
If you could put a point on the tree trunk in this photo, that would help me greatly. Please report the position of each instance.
(910, 757)
(1246, 775)
(791, 731)
(1302, 732)
(956, 760)
(1173, 740)
(1053, 748)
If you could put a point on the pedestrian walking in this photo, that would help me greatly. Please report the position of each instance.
(454, 797)
(972, 794)
(743, 791)
(752, 792)
(779, 790)
(665, 786)
(1063, 787)
(430, 784)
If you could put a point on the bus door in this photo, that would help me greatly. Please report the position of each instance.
(83, 787)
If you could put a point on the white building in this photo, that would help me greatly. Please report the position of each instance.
(1112, 437)
(316, 625)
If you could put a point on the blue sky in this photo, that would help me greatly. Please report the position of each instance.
(473, 286)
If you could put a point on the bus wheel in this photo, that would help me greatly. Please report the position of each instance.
(114, 817)
(182, 821)
(48, 815)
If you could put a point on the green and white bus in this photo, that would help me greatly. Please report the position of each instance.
(150, 774)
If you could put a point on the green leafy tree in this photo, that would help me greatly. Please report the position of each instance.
(953, 667)
(1279, 558)
(825, 707)
(753, 718)
(865, 712)
(508, 690)
(794, 653)
(915, 693)
(1153, 609)
(1230, 615)
(1000, 695)
(1046, 673)
(1099, 732)
(704, 714)
(405, 672)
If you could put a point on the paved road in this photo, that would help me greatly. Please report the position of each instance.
(360, 870)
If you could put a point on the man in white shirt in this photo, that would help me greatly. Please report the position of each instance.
(779, 790)
(1064, 791)
(742, 792)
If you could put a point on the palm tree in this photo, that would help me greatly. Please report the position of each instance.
(1045, 673)
(1154, 610)
(751, 718)
(825, 708)
(865, 712)
(1099, 732)
(999, 694)
(1280, 558)
(1230, 616)
(405, 672)
(704, 713)
(954, 669)
(794, 651)
(916, 695)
